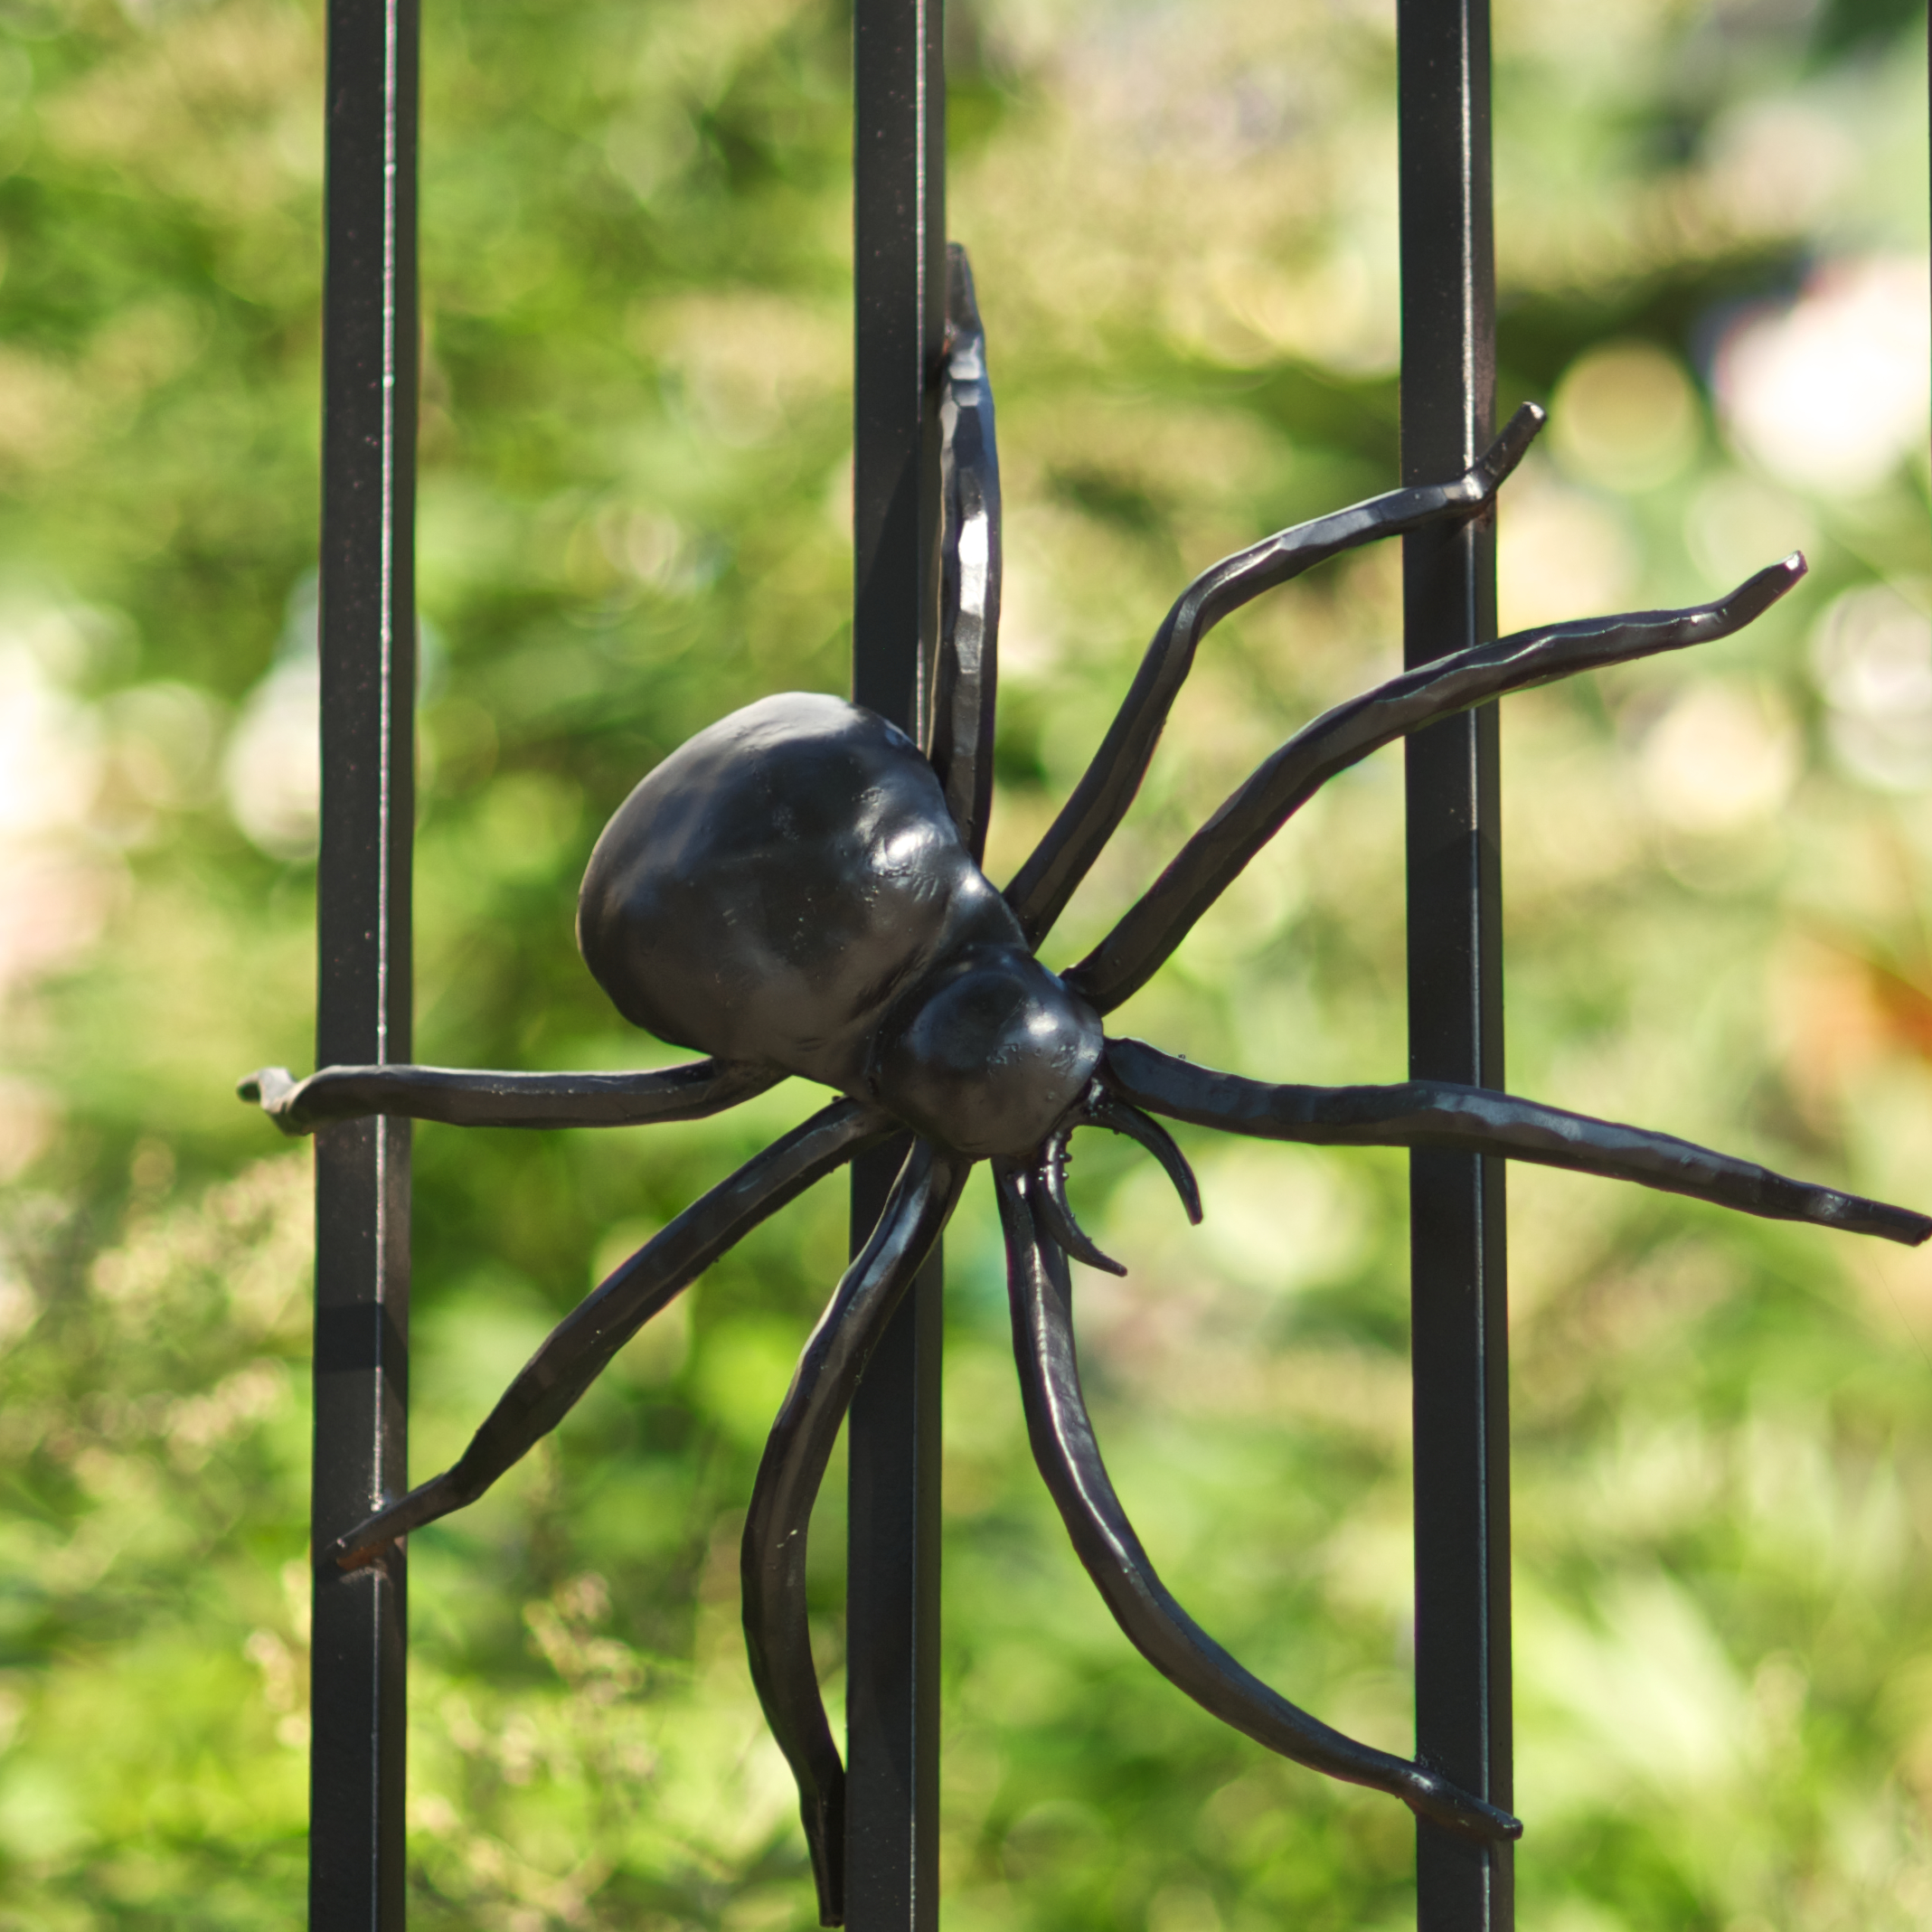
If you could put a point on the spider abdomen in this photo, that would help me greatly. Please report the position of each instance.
(772, 889)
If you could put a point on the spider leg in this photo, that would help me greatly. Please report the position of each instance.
(969, 566)
(577, 1349)
(1062, 1437)
(465, 1098)
(1475, 1120)
(1156, 923)
(1044, 885)
(776, 1634)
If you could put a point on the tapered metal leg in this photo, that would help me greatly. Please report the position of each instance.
(1069, 1457)
(777, 1632)
(466, 1097)
(1217, 856)
(579, 1348)
(1042, 886)
(1447, 1117)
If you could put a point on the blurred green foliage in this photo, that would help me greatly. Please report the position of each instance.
(633, 517)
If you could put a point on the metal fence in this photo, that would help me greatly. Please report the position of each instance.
(368, 641)
(363, 1202)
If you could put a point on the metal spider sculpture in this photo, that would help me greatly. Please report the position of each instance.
(797, 890)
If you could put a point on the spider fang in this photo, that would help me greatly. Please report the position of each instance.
(1099, 1108)
(1105, 1111)
(1049, 1173)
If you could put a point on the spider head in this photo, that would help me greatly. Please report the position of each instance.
(986, 1054)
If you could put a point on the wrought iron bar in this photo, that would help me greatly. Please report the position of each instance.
(368, 648)
(892, 1602)
(1458, 1288)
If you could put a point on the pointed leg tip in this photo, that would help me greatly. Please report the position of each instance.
(1526, 424)
(349, 1554)
(1913, 1230)
(1772, 582)
(272, 1089)
(1757, 594)
(1462, 1812)
(1190, 1200)
(373, 1539)
(1508, 449)
(962, 301)
(266, 1085)
(825, 1831)
(1854, 1214)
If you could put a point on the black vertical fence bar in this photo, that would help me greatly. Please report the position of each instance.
(368, 643)
(1458, 1293)
(892, 1606)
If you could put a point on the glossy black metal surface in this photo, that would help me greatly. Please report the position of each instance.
(462, 1097)
(966, 688)
(775, 885)
(368, 648)
(1068, 1458)
(892, 1534)
(579, 1348)
(776, 1630)
(1443, 689)
(1457, 1270)
(793, 892)
(1442, 1116)
(1042, 886)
